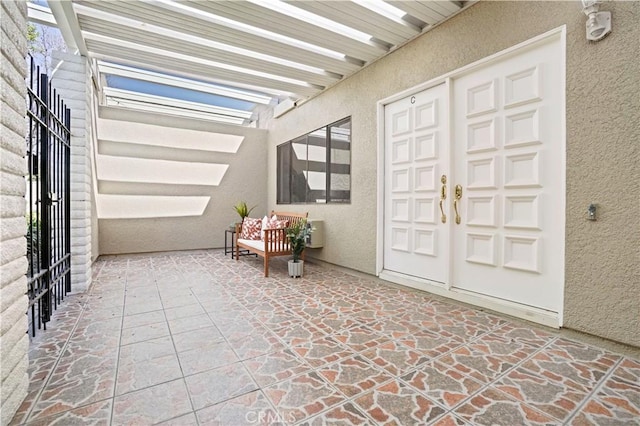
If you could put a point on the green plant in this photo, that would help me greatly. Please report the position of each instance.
(242, 209)
(297, 234)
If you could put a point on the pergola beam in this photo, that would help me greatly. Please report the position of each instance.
(41, 15)
(183, 83)
(119, 97)
(68, 25)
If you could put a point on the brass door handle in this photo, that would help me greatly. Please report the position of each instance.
(443, 196)
(458, 196)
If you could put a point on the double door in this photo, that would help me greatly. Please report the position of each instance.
(474, 181)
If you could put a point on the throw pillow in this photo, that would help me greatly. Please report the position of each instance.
(251, 229)
(265, 225)
(274, 223)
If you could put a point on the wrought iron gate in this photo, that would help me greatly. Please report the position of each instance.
(48, 198)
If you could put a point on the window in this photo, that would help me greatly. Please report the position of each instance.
(316, 167)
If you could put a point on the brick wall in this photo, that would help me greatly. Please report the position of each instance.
(14, 342)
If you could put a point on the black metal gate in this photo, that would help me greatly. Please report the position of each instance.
(48, 198)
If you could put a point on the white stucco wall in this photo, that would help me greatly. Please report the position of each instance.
(602, 268)
(161, 144)
(14, 342)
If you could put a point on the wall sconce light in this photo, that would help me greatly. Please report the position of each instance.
(598, 23)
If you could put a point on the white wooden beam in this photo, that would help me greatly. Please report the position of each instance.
(68, 25)
(250, 37)
(261, 16)
(105, 23)
(389, 29)
(177, 103)
(420, 10)
(168, 80)
(160, 104)
(42, 15)
(166, 67)
(166, 58)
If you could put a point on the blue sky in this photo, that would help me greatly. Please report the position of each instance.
(149, 88)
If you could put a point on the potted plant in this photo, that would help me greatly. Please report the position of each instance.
(243, 211)
(297, 234)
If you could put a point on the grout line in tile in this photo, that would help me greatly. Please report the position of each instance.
(497, 379)
(175, 349)
(591, 395)
(115, 379)
(280, 287)
(259, 387)
(61, 413)
(56, 363)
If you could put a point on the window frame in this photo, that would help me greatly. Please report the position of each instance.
(285, 154)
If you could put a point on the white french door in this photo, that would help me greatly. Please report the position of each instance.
(509, 160)
(417, 155)
(503, 160)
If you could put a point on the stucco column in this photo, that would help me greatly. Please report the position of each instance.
(71, 79)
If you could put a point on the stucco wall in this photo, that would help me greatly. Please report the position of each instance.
(14, 342)
(243, 180)
(602, 294)
(602, 258)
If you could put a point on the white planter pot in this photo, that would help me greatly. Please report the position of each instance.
(296, 268)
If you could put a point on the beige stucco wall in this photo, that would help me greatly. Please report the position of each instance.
(602, 290)
(243, 180)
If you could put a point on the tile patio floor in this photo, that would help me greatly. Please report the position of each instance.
(197, 338)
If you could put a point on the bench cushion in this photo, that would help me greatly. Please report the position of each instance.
(256, 244)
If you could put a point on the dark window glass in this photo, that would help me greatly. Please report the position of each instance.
(298, 170)
(340, 162)
(284, 179)
(316, 167)
(316, 172)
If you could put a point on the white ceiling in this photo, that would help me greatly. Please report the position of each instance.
(284, 49)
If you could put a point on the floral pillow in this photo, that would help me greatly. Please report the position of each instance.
(274, 223)
(251, 229)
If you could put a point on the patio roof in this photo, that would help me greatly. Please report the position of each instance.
(284, 50)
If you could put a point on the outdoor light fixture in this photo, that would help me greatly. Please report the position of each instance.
(598, 23)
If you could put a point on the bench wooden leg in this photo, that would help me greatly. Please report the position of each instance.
(266, 266)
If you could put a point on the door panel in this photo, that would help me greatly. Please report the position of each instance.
(504, 200)
(416, 155)
(508, 159)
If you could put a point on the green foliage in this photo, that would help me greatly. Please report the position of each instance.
(242, 209)
(32, 34)
(298, 233)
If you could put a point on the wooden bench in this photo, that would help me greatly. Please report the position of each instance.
(275, 240)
